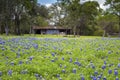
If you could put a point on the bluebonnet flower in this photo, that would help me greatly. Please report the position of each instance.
(119, 65)
(91, 76)
(63, 70)
(74, 70)
(82, 77)
(35, 46)
(58, 75)
(105, 62)
(3, 49)
(24, 72)
(110, 71)
(60, 78)
(65, 66)
(117, 78)
(31, 58)
(62, 58)
(20, 62)
(36, 75)
(77, 63)
(53, 54)
(104, 78)
(109, 52)
(60, 65)
(52, 60)
(103, 67)
(94, 78)
(10, 72)
(96, 73)
(81, 49)
(18, 55)
(0, 73)
(93, 67)
(70, 60)
(99, 76)
(12, 63)
(115, 72)
(27, 62)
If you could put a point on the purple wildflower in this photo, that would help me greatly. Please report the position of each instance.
(82, 77)
(0, 73)
(60, 78)
(65, 66)
(105, 62)
(117, 78)
(10, 72)
(53, 54)
(36, 75)
(31, 58)
(58, 75)
(93, 67)
(109, 52)
(12, 63)
(62, 58)
(70, 60)
(60, 65)
(119, 65)
(63, 70)
(115, 72)
(96, 73)
(94, 78)
(109, 71)
(103, 67)
(99, 76)
(77, 63)
(20, 62)
(52, 60)
(74, 70)
(104, 78)
(35, 46)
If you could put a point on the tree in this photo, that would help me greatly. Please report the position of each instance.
(80, 15)
(14, 11)
(21, 7)
(114, 9)
(107, 22)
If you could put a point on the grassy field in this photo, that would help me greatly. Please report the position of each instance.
(59, 58)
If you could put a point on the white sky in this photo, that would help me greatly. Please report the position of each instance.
(101, 2)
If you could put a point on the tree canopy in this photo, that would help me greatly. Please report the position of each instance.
(86, 18)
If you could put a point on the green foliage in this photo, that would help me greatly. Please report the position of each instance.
(108, 22)
(40, 21)
(47, 58)
(99, 33)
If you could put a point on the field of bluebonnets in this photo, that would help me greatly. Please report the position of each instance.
(30, 58)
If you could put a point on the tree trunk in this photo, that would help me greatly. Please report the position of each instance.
(0, 30)
(74, 31)
(104, 33)
(119, 26)
(6, 29)
(17, 25)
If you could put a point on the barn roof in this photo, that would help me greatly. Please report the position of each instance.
(49, 27)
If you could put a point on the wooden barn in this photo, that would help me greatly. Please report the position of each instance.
(51, 30)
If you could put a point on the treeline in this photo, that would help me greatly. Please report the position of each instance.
(84, 18)
(87, 18)
(18, 16)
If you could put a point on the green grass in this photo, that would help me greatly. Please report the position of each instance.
(88, 51)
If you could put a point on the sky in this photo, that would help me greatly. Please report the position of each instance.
(49, 2)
